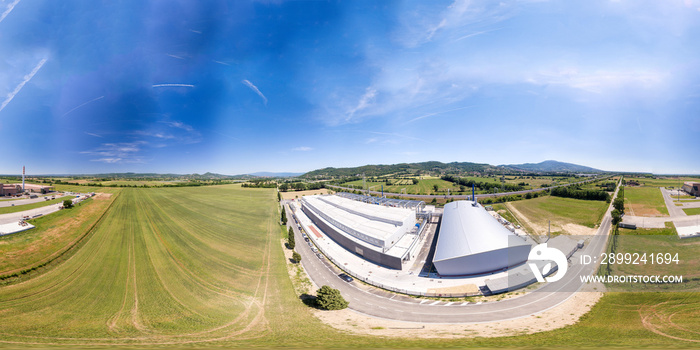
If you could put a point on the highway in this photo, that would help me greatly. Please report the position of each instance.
(464, 196)
(374, 302)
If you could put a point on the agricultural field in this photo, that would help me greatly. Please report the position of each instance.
(567, 215)
(644, 201)
(52, 236)
(424, 186)
(203, 267)
(23, 207)
(663, 181)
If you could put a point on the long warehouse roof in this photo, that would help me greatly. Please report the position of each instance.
(363, 217)
(468, 229)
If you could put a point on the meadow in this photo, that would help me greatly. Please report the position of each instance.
(535, 213)
(644, 201)
(22, 253)
(662, 181)
(203, 267)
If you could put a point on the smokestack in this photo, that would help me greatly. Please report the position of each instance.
(22, 178)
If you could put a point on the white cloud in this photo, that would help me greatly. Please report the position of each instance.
(172, 85)
(364, 102)
(255, 89)
(81, 105)
(8, 9)
(302, 149)
(122, 152)
(19, 87)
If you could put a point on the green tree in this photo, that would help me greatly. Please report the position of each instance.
(296, 257)
(619, 204)
(328, 298)
(415, 181)
(67, 203)
(616, 216)
(435, 187)
(279, 197)
(283, 217)
(290, 238)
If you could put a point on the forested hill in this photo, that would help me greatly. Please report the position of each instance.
(406, 169)
(553, 166)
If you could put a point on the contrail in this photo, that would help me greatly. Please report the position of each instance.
(93, 100)
(173, 85)
(8, 10)
(255, 89)
(19, 87)
(436, 113)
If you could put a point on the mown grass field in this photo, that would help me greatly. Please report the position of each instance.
(645, 201)
(52, 236)
(692, 211)
(18, 208)
(203, 267)
(560, 211)
(663, 182)
(424, 186)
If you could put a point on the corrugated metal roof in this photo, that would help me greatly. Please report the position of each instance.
(468, 229)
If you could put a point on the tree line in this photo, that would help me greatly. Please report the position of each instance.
(483, 185)
(577, 193)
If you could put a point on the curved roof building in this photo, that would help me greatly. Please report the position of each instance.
(472, 242)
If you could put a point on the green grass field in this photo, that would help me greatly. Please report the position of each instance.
(52, 236)
(204, 267)
(560, 211)
(644, 201)
(692, 211)
(663, 182)
(18, 208)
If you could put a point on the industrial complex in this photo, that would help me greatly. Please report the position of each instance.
(409, 247)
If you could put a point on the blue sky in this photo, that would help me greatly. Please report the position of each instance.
(236, 87)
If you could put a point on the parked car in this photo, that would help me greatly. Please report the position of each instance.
(345, 277)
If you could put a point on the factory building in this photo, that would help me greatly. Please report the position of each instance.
(368, 230)
(472, 242)
(10, 190)
(692, 188)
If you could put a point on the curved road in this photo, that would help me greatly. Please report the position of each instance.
(374, 302)
(464, 196)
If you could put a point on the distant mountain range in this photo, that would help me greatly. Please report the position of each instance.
(548, 166)
(553, 166)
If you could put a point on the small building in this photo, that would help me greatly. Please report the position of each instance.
(10, 190)
(692, 188)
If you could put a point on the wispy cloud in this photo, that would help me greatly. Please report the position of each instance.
(302, 149)
(91, 134)
(8, 9)
(82, 104)
(173, 85)
(180, 125)
(220, 62)
(19, 87)
(122, 152)
(437, 113)
(364, 102)
(247, 83)
(175, 56)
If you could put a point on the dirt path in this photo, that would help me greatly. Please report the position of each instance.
(536, 229)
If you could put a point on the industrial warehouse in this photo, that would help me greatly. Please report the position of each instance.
(471, 241)
(380, 233)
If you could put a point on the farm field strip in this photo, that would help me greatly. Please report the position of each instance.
(163, 267)
(645, 201)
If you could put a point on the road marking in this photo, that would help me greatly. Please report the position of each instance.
(479, 303)
(424, 301)
(450, 303)
(465, 303)
(437, 302)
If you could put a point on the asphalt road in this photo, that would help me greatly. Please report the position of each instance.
(462, 196)
(378, 303)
